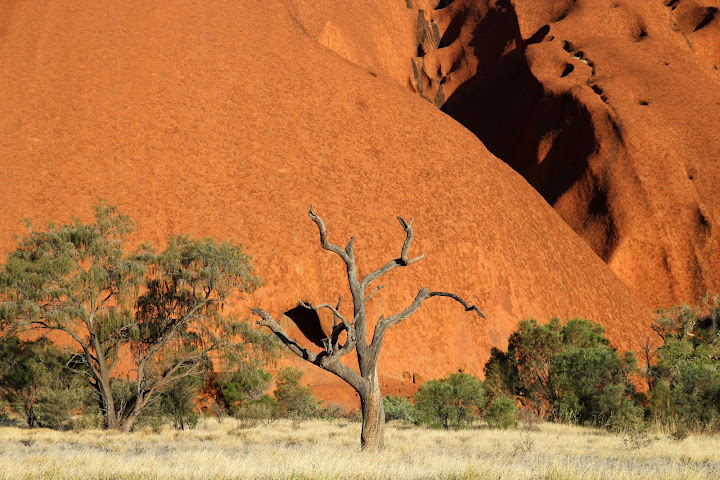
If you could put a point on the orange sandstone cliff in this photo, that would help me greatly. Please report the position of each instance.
(228, 119)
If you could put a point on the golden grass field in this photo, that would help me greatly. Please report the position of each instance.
(330, 449)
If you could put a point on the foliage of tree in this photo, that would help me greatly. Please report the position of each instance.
(566, 372)
(401, 409)
(501, 412)
(165, 308)
(294, 399)
(685, 383)
(245, 385)
(36, 382)
(450, 402)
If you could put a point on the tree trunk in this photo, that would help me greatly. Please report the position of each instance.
(372, 438)
(107, 403)
(128, 423)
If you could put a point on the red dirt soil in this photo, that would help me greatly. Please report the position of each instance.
(227, 119)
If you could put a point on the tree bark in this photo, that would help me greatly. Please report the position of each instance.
(107, 403)
(372, 437)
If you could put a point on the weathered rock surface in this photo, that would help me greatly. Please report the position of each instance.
(228, 120)
(610, 109)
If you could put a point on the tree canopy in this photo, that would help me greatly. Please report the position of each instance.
(164, 308)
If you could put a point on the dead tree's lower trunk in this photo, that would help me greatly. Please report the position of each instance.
(372, 438)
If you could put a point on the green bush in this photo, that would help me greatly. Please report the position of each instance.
(563, 372)
(294, 399)
(36, 382)
(244, 385)
(264, 409)
(501, 412)
(685, 380)
(178, 403)
(54, 408)
(450, 402)
(401, 409)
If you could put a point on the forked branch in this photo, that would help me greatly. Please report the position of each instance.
(324, 359)
(345, 254)
(403, 261)
(335, 311)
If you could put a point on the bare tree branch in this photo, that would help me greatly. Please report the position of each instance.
(403, 261)
(384, 323)
(324, 305)
(324, 240)
(458, 299)
(379, 287)
(342, 371)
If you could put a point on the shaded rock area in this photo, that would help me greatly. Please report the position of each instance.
(229, 119)
(608, 108)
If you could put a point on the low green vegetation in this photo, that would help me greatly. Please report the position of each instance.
(450, 402)
(684, 380)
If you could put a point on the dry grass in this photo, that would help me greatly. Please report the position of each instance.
(324, 449)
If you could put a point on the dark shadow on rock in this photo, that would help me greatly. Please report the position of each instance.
(308, 321)
(507, 108)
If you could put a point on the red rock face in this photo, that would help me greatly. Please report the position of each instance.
(610, 109)
(229, 119)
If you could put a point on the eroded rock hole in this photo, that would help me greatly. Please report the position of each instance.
(702, 219)
(540, 35)
(443, 3)
(710, 15)
(568, 70)
(308, 322)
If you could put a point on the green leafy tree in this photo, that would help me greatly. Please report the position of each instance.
(686, 376)
(165, 308)
(568, 372)
(450, 402)
(294, 399)
(34, 379)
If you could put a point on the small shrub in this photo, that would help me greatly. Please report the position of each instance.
(264, 409)
(334, 410)
(529, 419)
(629, 422)
(450, 402)
(401, 409)
(502, 413)
(679, 434)
(295, 400)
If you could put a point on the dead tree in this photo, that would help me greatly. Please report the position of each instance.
(366, 383)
